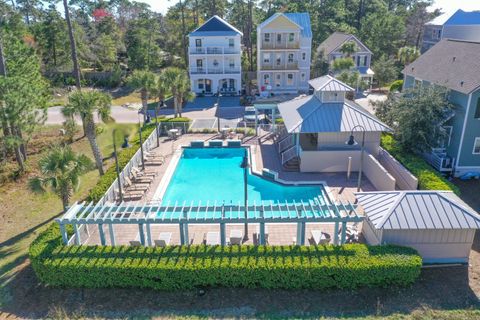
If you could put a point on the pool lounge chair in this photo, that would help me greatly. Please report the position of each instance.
(144, 173)
(212, 238)
(215, 143)
(129, 195)
(163, 239)
(236, 236)
(141, 179)
(136, 242)
(129, 185)
(197, 144)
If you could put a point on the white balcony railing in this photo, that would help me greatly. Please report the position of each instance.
(214, 70)
(281, 66)
(439, 159)
(214, 50)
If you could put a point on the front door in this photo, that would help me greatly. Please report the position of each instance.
(208, 85)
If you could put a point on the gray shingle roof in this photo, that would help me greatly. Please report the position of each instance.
(329, 83)
(453, 64)
(425, 210)
(308, 115)
(335, 40)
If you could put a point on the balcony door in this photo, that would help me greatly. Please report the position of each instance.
(208, 86)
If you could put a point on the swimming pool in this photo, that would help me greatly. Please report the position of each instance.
(215, 174)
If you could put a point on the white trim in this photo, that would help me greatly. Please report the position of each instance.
(474, 144)
(463, 129)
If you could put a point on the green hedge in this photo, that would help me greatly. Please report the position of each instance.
(179, 119)
(124, 156)
(178, 268)
(428, 177)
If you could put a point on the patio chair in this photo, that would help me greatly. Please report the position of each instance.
(129, 185)
(153, 161)
(141, 179)
(146, 172)
(236, 236)
(163, 239)
(129, 195)
(136, 242)
(212, 238)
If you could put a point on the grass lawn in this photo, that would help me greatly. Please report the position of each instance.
(24, 214)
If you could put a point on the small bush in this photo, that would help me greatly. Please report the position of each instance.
(396, 86)
(124, 156)
(428, 178)
(180, 267)
(179, 119)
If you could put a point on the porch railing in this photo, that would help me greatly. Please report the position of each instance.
(285, 143)
(439, 159)
(289, 154)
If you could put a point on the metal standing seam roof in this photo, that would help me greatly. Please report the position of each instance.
(450, 63)
(309, 115)
(216, 26)
(302, 19)
(461, 17)
(329, 83)
(417, 210)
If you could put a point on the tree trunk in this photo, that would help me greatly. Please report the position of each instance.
(180, 107)
(144, 97)
(65, 196)
(90, 133)
(73, 47)
(185, 54)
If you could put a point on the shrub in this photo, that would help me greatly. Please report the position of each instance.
(396, 86)
(179, 119)
(179, 268)
(124, 156)
(428, 178)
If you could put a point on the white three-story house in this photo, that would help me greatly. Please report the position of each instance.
(284, 46)
(215, 58)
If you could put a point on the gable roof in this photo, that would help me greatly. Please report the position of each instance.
(307, 114)
(329, 83)
(335, 40)
(301, 19)
(424, 210)
(450, 63)
(461, 17)
(216, 26)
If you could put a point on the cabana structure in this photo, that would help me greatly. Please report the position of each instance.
(438, 224)
(318, 126)
(85, 216)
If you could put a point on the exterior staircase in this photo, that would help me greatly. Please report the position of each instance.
(292, 165)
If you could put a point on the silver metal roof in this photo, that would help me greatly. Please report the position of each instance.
(329, 83)
(407, 210)
(308, 114)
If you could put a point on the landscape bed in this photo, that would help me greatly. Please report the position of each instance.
(187, 267)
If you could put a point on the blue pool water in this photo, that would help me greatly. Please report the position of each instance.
(215, 174)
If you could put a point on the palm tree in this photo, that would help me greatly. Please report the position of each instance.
(86, 103)
(177, 80)
(162, 89)
(144, 82)
(61, 169)
(407, 55)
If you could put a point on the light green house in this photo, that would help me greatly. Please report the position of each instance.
(453, 64)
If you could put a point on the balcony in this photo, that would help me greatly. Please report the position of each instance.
(214, 70)
(439, 159)
(272, 45)
(214, 50)
(281, 66)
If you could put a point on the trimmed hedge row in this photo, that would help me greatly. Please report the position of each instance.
(124, 156)
(177, 268)
(428, 178)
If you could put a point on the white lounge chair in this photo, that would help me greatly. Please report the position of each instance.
(212, 238)
(236, 236)
(163, 239)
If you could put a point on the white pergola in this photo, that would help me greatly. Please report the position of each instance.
(183, 214)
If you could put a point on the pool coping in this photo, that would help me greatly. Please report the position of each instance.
(172, 166)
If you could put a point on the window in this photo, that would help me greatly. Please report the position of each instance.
(418, 83)
(361, 61)
(231, 63)
(444, 140)
(290, 58)
(290, 79)
(199, 63)
(278, 80)
(302, 76)
(476, 146)
(278, 59)
(266, 79)
(198, 43)
(266, 58)
(365, 61)
(291, 37)
(200, 84)
(279, 37)
(215, 63)
(304, 56)
(231, 83)
(266, 37)
(477, 110)
(231, 43)
(436, 33)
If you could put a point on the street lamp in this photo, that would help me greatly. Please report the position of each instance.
(245, 165)
(117, 167)
(156, 127)
(141, 143)
(351, 142)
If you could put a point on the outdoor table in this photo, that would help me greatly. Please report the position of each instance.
(173, 133)
(236, 236)
(224, 132)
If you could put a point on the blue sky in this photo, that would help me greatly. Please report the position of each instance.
(446, 5)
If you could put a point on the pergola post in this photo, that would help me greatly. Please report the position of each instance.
(262, 233)
(112, 234)
(63, 231)
(297, 143)
(344, 232)
(141, 234)
(223, 241)
(101, 233)
(335, 233)
(185, 234)
(256, 121)
(78, 240)
(149, 235)
(301, 233)
(182, 233)
(274, 113)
